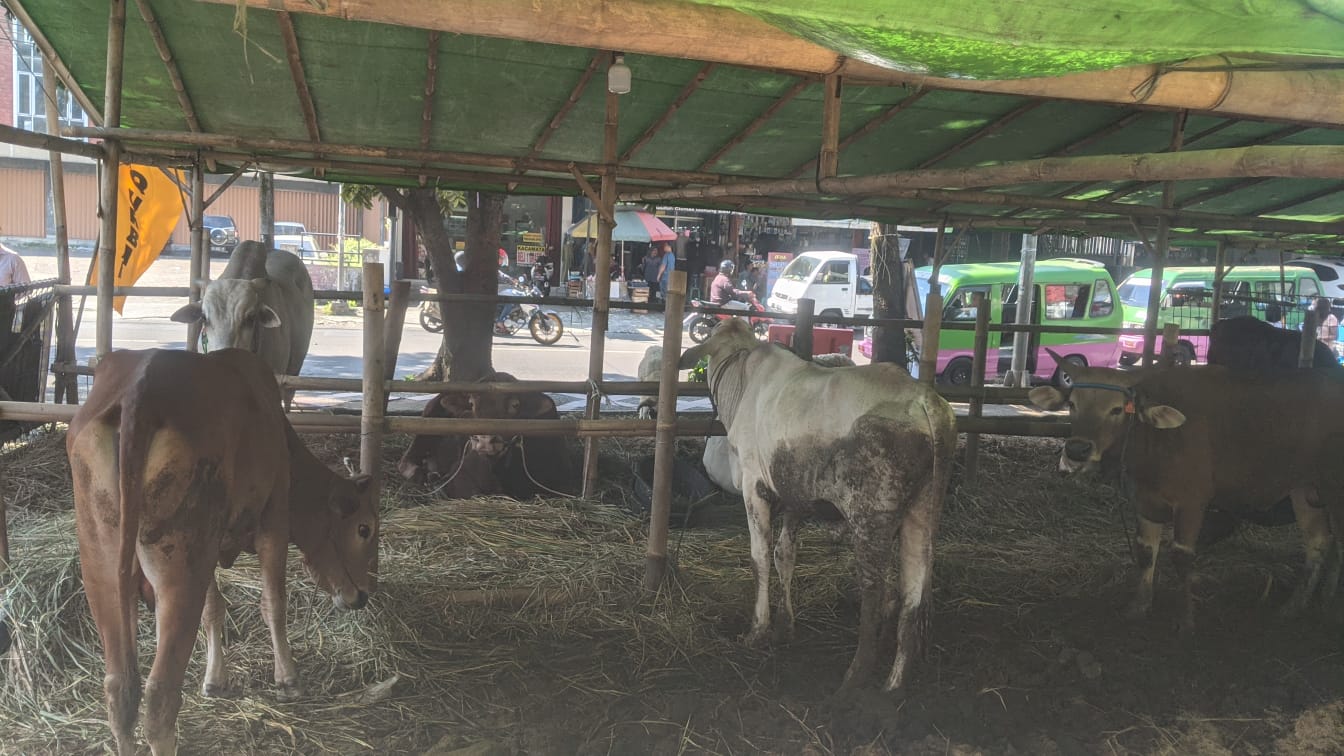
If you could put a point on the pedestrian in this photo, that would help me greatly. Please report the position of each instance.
(12, 270)
(668, 265)
(653, 263)
(1327, 329)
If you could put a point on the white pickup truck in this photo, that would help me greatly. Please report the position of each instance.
(831, 279)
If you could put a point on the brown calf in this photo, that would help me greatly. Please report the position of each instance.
(180, 462)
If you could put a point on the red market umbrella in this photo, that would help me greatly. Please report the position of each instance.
(632, 225)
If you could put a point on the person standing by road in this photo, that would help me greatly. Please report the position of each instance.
(652, 267)
(668, 265)
(12, 270)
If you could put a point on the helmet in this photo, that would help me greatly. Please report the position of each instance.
(727, 267)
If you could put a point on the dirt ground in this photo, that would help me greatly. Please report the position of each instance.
(1029, 652)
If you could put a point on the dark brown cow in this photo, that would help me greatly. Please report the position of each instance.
(1189, 436)
(180, 462)
(519, 466)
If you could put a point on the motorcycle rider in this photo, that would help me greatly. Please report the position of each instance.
(722, 293)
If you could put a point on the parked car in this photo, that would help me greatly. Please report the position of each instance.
(293, 237)
(221, 232)
(1331, 273)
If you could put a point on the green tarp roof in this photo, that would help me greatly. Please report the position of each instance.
(497, 96)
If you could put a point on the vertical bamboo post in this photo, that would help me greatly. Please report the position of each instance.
(601, 286)
(200, 249)
(393, 327)
(67, 386)
(266, 198)
(107, 241)
(933, 327)
(1156, 290)
(665, 446)
(978, 356)
(1306, 353)
(802, 328)
(371, 413)
(1171, 338)
(1219, 272)
(828, 161)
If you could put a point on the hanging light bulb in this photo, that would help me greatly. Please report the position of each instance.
(618, 76)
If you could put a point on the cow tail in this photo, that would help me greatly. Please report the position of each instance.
(131, 482)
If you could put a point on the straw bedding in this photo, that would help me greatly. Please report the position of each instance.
(507, 627)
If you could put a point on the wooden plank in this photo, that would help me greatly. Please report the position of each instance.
(828, 160)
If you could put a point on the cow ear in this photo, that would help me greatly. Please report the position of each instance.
(267, 317)
(1047, 397)
(539, 406)
(362, 483)
(455, 403)
(1163, 416)
(191, 313)
(690, 357)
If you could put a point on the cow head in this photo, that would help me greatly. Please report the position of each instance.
(530, 405)
(431, 457)
(1102, 405)
(344, 562)
(730, 335)
(231, 314)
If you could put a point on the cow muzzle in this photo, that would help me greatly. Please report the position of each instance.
(490, 446)
(360, 600)
(411, 471)
(1078, 455)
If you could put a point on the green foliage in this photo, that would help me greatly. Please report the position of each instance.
(362, 195)
(698, 374)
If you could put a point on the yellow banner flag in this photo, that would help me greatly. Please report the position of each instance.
(148, 210)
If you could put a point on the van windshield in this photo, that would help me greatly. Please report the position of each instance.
(1135, 292)
(800, 269)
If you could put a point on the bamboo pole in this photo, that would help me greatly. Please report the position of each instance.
(67, 388)
(51, 141)
(1156, 290)
(665, 448)
(1219, 273)
(200, 251)
(266, 198)
(601, 283)
(107, 237)
(933, 313)
(978, 356)
(371, 410)
(1306, 352)
(309, 148)
(802, 328)
(828, 159)
(392, 330)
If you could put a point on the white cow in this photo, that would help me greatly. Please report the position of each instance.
(722, 466)
(262, 302)
(869, 444)
(650, 369)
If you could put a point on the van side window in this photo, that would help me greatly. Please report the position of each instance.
(1066, 301)
(865, 286)
(962, 304)
(1307, 288)
(1102, 302)
(836, 272)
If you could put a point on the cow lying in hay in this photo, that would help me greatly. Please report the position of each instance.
(262, 302)
(868, 444)
(180, 462)
(522, 467)
(1188, 436)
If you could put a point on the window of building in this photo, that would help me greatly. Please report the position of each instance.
(29, 111)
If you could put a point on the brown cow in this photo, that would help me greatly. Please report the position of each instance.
(180, 462)
(521, 466)
(1188, 436)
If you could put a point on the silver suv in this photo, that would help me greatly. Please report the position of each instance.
(222, 233)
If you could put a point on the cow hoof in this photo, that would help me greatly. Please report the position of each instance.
(290, 690)
(756, 638)
(226, 689)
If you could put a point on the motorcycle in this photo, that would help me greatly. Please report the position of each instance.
(700, 324)
(545, 326)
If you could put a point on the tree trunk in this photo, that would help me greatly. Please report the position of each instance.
(467, 337)
(888, 293)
